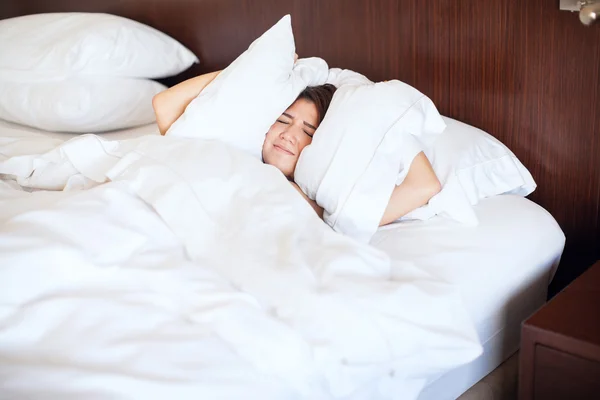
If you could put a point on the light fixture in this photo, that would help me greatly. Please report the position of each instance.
(589, 10)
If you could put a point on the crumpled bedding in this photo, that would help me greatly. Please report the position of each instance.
(166, 267)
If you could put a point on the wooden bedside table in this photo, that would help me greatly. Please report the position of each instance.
(560, 344)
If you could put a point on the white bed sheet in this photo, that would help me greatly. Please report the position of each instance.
(502, 268)
(301, 310)
(18, 139)
(9, 129)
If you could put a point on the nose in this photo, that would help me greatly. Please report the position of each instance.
(289, 134)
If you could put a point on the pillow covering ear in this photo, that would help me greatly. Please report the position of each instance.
(351, 167)
(242, 102)
(470, 164)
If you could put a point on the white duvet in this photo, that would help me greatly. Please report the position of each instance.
(161, 267)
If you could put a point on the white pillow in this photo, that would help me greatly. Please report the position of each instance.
(252, 92)
(62, 44)
(339, 77)
(471, 165)
(91, 104)
(353, 162)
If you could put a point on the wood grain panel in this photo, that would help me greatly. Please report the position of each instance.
(561, 375)
(521, 70)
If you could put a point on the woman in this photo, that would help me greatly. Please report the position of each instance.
(293, 131)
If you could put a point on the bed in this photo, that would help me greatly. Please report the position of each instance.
(502, 267)
(469, 287)
(12, 130)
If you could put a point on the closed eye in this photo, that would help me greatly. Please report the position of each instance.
(310, 135)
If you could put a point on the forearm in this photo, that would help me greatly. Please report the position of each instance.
(171, 103)
(406, 198)
(419, 186)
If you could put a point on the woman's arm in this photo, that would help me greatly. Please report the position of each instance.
(171, 103)
(312, 203)
(419, 186)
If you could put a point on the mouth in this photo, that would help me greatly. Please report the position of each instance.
(283, 150)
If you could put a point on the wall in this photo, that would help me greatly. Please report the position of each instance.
(524, 71)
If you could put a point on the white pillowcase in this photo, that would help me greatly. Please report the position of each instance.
(62, 44)
(358, 150)
(242, 102)
(471, 165)
(92, 104)
(340, 77)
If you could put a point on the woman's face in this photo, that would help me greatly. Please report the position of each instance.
(289, 135)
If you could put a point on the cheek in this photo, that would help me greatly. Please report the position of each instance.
(305, 141)
(270, 137)
(272, 130)
(275, 133)
(269, 133)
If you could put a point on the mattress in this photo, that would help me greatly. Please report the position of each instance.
(502, 268)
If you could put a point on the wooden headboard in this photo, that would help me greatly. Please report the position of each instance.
(521, 70)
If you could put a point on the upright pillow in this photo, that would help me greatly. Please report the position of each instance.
(471, 165)
(340, 77)
(358, 150)
(63, 44)
(252, 92)
(81, 105)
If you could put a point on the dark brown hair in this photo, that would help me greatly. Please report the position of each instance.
(320, 96)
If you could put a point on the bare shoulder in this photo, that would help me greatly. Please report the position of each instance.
(312, 203)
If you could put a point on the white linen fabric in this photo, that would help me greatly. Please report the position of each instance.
(353, 162)
(84, 104)
(515, 242)
(64, 44)
(471, 165)
(188, 268)
(11, 133)
(502, 268)
(340, 77)
(254, 90)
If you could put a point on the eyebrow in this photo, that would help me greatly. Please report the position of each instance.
(305, 123)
